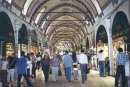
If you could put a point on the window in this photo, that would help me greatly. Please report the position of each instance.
(9, 1)
(39, 15)
(27, 4)
(97, 6)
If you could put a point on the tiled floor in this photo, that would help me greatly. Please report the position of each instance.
(93, 81)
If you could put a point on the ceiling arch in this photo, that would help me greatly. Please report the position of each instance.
(66, 25)
(46, 27)
(73, 5)
(66, 35)
(64, 40)
(66, 5)
(72, 17)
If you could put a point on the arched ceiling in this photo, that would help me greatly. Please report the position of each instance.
(61, 20)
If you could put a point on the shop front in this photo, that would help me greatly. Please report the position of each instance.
(102, 40)
(34, 46)
(120, 34)
(6, 35)
(23, 39)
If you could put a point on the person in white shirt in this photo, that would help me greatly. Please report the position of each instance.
(83, 61)
(75, 72)
(101, 60)
(38, 61)
(127, 70)
(29, 66)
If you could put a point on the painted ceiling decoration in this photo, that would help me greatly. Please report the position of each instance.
(65, 21)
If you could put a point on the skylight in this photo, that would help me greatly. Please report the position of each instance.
(97, 6)
(43, 23)
(9, 1)
(27, 4)
(39, 15)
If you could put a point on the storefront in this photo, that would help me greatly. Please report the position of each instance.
(34, 46)
(102, 40)
(6, 35)
(120, 33)
(23, 39)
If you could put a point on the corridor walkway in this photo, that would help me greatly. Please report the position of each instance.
(93, 81)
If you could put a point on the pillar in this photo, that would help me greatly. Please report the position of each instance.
(110, 47)
(29, 41)
(17, 27)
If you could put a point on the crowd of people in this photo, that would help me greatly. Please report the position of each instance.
(14, 69)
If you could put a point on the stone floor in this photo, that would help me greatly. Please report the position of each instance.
(93, 81)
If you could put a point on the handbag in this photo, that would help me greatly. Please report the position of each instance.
(59, 73)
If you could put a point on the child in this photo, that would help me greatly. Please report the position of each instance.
(75, 72)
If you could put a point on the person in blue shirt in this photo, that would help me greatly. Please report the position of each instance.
(67, 61)
(74, 57)
(22, 69)
(121, 59)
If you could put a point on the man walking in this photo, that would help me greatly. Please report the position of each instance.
(67, 61)
(121, 59)
(83, 61)
(101, 60)
(22, 69)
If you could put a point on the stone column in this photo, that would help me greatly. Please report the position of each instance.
(38, 43)
(29, 41)
(110, 47)
(17, 27)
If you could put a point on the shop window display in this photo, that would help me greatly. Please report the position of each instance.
(104, 46)
(34, 49)
(9, 49)
(24, 47)
(119, 42)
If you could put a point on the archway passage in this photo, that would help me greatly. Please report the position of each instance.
(120, 32)
(102, 40)
(23, 38)
(6, 35)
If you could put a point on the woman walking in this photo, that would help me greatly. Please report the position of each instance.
(46, 65)
(38, 58)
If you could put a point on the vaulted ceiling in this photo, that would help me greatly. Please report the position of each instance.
(61, 20)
